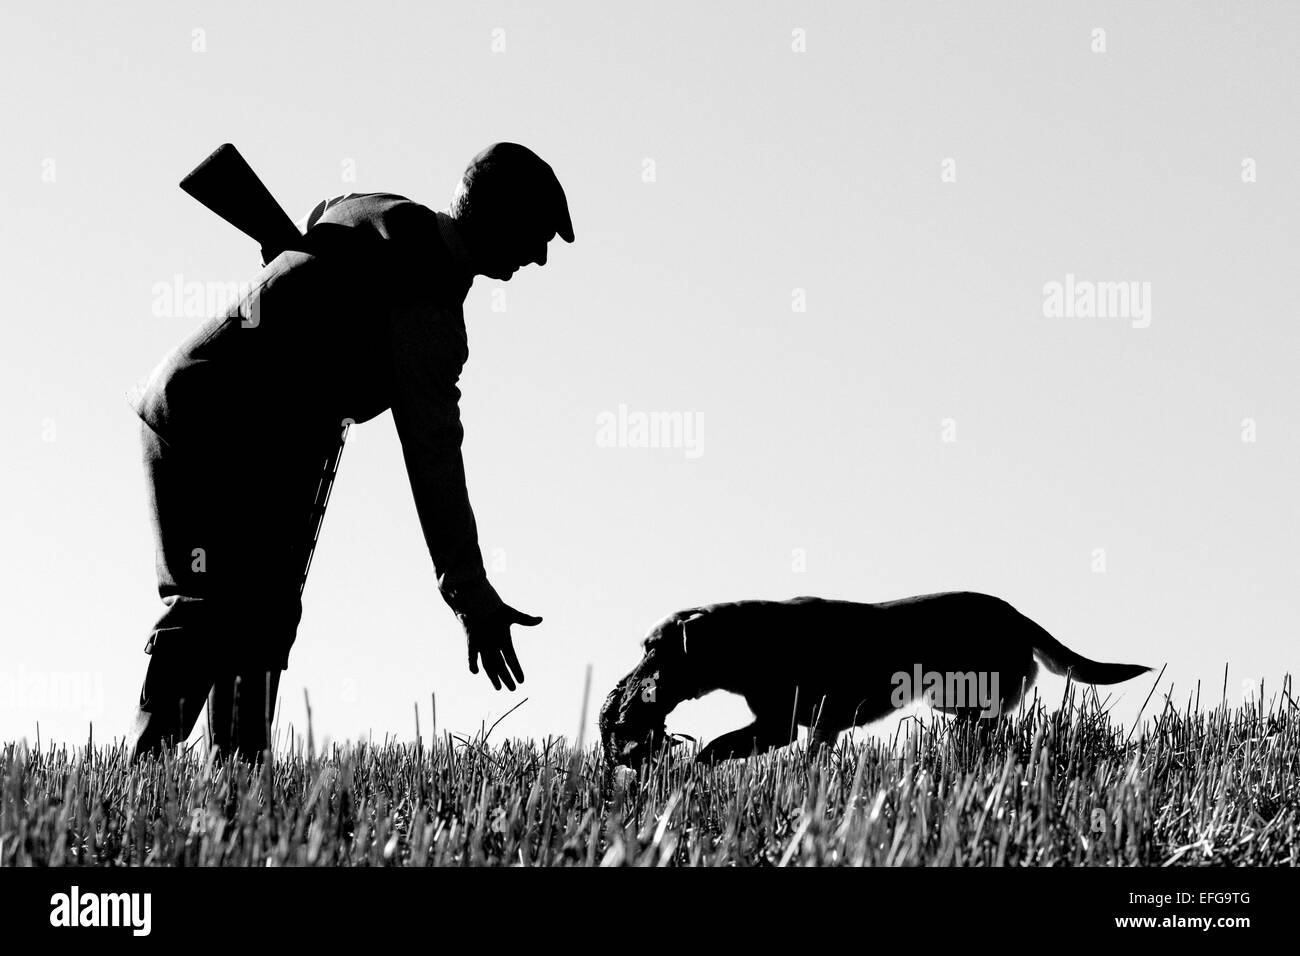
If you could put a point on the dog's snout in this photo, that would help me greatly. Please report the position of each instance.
(631, 720)
(607, 720)
(607, 709)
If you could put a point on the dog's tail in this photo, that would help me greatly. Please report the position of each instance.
(1059, 659)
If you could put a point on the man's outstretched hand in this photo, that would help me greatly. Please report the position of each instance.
(488, 636)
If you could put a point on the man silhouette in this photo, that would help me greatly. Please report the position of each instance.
(363, 315)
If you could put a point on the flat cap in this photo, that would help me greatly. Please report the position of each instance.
(532, 176)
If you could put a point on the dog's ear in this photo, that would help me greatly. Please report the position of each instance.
(689, 627)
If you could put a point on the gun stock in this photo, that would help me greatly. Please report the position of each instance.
(226, 184)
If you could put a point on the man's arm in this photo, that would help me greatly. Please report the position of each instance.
(429, 351)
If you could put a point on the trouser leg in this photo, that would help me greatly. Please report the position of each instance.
(175, 688)
(275, 511)
(183, 498)
(246, 677)
(230, 533)
(241, 708)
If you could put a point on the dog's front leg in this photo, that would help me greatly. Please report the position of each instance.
(757, 738)
(824, 736)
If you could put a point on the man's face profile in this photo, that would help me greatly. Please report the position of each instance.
(514, 242)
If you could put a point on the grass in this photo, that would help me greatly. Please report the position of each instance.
(1041, 788)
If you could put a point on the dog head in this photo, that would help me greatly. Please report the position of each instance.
(633, 715)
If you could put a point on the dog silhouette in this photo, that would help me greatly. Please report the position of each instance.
(829, 665)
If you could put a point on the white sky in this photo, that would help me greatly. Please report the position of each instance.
(775, 170)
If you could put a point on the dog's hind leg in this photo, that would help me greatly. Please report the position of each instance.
(1015, 694)
(1009, 690)
(827, 723)
(759, 737)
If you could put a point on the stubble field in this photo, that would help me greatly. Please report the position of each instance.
(1045, 787)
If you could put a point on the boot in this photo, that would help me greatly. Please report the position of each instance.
(175, 689)
(241, 708)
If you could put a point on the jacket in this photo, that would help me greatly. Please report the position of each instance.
(364, 316)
